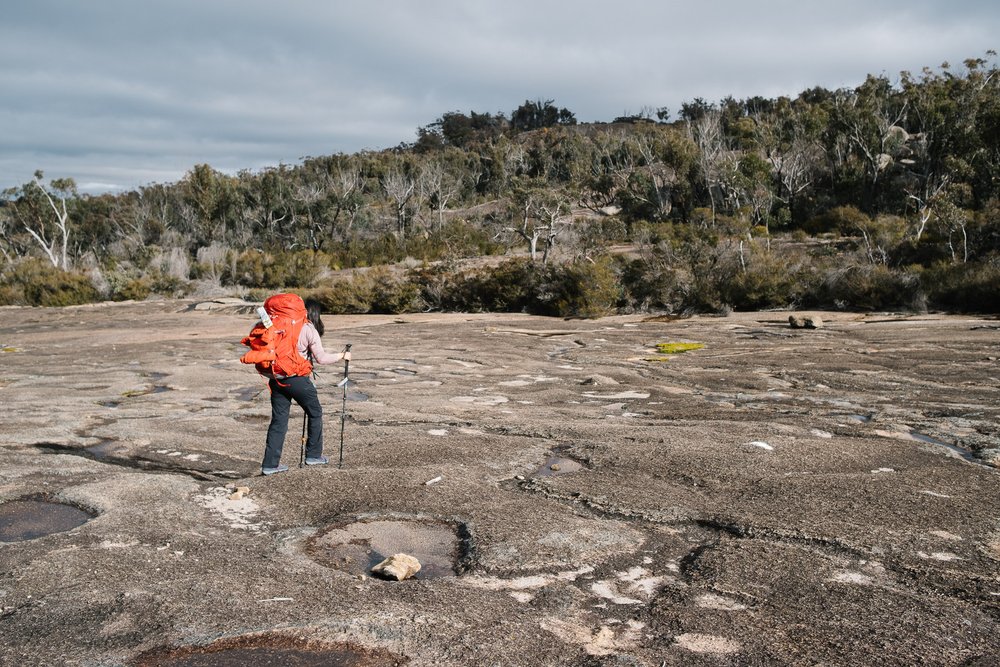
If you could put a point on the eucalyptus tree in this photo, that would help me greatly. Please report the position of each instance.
(717, 161)
(954, 120)
(208, 206)
(533, 115)
(500, 161)
(399, 187)
(7, 245)
(43, 213)
(666, 159)
(440, 180)
(555, 212)
(611, 164)
(101, 223)
(151, 206)
(528, 214)
(869, 120)
(640, 173)
(268, 202)
(787, 135)
(753, 190)
(306, 195)
(346, 200)
(459, 130)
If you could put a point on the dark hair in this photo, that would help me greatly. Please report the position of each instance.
(313, 310)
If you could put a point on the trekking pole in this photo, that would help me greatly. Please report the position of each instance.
(343, 408)
(302, 449)
(305, 419)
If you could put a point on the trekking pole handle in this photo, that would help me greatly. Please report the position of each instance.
(347, 362)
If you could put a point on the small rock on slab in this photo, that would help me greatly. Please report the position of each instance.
(397, 567)
(599, 380)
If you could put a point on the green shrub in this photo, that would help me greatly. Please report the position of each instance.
(970, 287)
(257, 295)
(869, 287)
(579, 289)
(11, 295)
(35, 282)
(124, 284)
(708, 271)
(650, 284)
(772, 279)
(454, 239)
(343, 297)
(436, 287)
(845, 220)
(375, 291)
(135, 289)
(251, 269)
(168, 285)
(390, 293)
(303, 268)
(506, 288)
(281, 270)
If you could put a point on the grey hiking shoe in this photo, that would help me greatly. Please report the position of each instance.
(317, 461)
(270, 471)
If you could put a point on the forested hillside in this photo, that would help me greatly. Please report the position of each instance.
(883, 196)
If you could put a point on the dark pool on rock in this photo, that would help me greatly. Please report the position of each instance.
(964, 453)
(557, 466)
(31, 518)
(357, 547)
(249, 393)
(261, 656)
(264, 651)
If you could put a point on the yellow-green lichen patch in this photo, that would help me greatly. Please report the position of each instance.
(677, 348)
(9, 349)
(670, 349)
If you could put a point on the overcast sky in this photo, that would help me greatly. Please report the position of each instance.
(122, 93)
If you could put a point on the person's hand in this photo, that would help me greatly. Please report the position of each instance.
(347, 356)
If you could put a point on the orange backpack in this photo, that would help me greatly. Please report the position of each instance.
(274, 345)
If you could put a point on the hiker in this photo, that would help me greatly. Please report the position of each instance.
(299, 388)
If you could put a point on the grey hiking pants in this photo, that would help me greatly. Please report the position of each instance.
(283, 392)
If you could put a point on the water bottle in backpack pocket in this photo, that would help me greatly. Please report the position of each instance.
(274, 341)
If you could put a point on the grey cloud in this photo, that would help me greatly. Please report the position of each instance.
(121, 92)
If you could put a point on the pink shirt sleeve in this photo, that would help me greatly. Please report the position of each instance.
(310, 344)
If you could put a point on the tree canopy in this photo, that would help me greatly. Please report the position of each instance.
(907, 169)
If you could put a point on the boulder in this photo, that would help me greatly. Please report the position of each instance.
(805, 321)
(397, 567)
